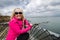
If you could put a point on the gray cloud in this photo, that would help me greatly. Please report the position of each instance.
(6, 6)
(56, 3)
(6, 3)
(46, 8)
(31, 7)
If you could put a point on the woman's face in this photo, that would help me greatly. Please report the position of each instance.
(18, 13)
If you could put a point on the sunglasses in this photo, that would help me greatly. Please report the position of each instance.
(18, 12)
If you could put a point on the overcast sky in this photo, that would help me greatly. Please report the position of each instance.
(31, 7)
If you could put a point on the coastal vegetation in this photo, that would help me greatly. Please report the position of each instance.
(4, 19)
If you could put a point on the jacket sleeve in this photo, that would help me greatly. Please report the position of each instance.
(29, 25)
(14, 26)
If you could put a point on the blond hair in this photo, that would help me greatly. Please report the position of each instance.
(13, 14)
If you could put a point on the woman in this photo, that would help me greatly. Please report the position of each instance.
(14, 29)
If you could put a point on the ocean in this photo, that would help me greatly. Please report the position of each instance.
(49, 23)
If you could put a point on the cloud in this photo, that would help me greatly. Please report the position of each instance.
(6, 6)
(55, 2)
(32, 7)
(44, 8)
(6, 3)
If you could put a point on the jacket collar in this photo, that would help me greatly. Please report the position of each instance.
(17, 19)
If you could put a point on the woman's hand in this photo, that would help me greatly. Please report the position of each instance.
(31, 24)
(28, 25)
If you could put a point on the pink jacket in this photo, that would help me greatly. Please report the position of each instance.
(14, 29)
